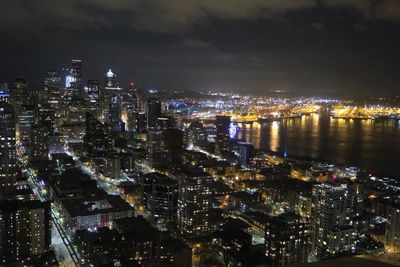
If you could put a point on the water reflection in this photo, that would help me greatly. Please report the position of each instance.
(372, 144)
(274, 140)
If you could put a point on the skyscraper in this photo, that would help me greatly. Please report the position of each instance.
(245, 151)
(26, 119)
(392, 242)
(25, 229)
(76, 72)
(331, 233)
(223, 123)
(40, 140)
(287, 239)
(53, 93)
(111, 99)
(194, 202)
(153, 111)
(93, 94)
(196, 135)
(115, 112)
(110, 80)
(7, 143)
(19, 93)
(51, 87)
(97, 139)
(161, 194)
(74, 81)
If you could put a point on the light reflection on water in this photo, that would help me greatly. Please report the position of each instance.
(371, 144)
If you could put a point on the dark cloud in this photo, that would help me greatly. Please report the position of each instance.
(167, 15)
(258, 44)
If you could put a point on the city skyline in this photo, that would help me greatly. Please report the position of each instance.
(185, 133)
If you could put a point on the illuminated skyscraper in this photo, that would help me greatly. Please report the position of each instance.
(26, 119)
(111, 99)
(19, 93)
(25, 230)
(196, 135)
(245, 151)
(76, 72)
(392, 242)
(194, 203)
(114, 114)
(74, 81)
(51, 85)
(7, 143)
(223, 124)
(130, 109)
(110, 79)
(287, 239)
(40, 140)
(331, 233)
(93, 94)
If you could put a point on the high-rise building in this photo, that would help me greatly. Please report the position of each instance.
(110, 80)
(7, 143)
(115, 112)
(111, 100)
(245, 151)
(19, 93)
(40, 141)
(97, 138)
(331, 233)
(194, 203)
(392, 242)
(173, 143)
(53, 92)
(74, 81)
(93, 93)
(287, 239)
(76, 72)
(51, 86)
(26, 119)
(130, 109)
(156, 154)
(196, 135)
(153, 112)
(222, 135)
(25, 229)
(161, 195)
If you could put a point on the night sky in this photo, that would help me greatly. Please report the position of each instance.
(243, 45)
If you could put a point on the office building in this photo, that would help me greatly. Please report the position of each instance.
(153, 110)
(93, 92)
(26, 120)
(97, 138)
(19, 93)
(196, 135)
(222, 134)
(161, 196)
(245, 151)
(7, 143)
(194, 202)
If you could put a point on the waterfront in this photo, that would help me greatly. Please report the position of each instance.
(370, 144)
